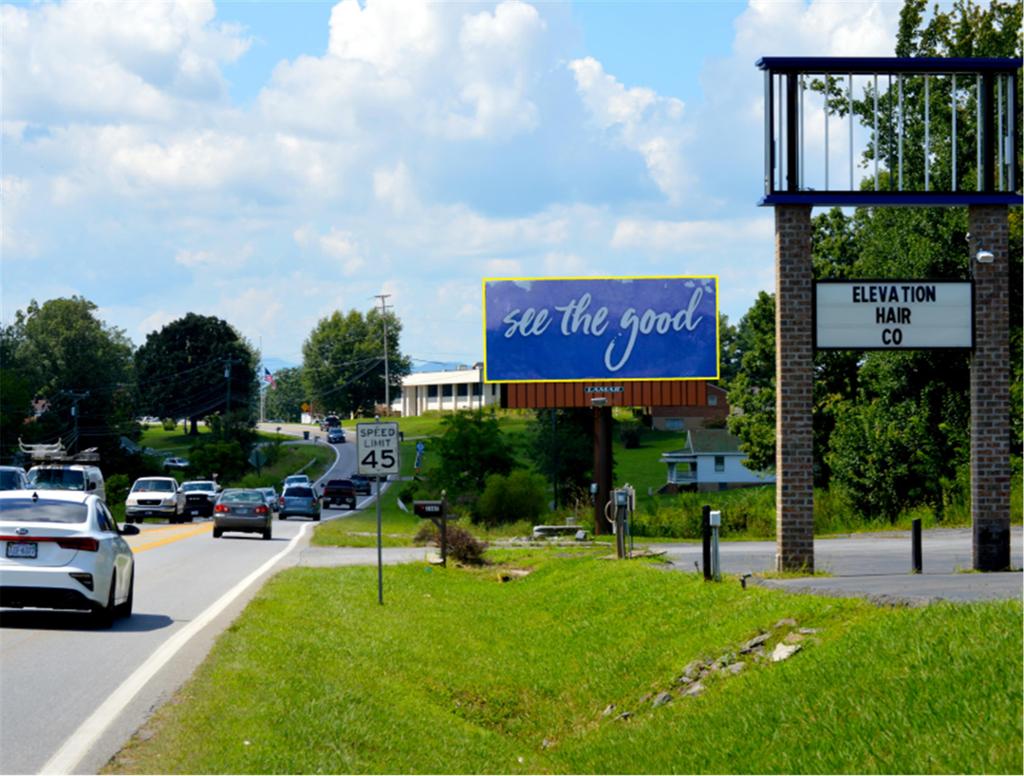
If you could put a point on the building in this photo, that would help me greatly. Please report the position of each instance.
(447, 391)
(711, 460)
(713, 412)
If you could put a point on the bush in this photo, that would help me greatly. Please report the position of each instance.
(117, 486)
(169, 424)
(519, 496)
(462, 545)
(629, 433)
(226, 459)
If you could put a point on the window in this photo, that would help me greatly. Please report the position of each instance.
(674, 424)
(105, 521)
(476, 389)
(431, 391)
(719, 463)
(712, 400)
(446, 390)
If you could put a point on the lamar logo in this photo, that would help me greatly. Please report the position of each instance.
(603, 389)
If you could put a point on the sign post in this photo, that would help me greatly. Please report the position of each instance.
(376, 456)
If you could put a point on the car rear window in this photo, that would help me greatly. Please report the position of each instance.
(153, 486)
(25, 510)
(243, 497)
(299, 492)
(58, 479)
(188, 487)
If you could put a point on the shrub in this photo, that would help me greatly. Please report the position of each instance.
(117, 488)
(462, 545)
(629, 433)
(227, 459)
(169, 424)
(519, 496)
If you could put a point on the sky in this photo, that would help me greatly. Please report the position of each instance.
(270, 163)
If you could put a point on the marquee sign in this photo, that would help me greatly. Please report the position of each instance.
(893, 314)
(622, 328)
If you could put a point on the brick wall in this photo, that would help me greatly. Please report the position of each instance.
(794, 376)
(990, 390)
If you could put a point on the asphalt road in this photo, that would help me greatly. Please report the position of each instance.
(57, 669)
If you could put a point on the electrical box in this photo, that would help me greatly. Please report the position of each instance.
(715, 518)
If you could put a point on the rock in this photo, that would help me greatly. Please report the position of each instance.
(608, 710)
(808, 631)
(546, 743)
(735, 668)
(784, 652)
(662, 698)
(755, 642)
(695, 689)
(794, 638)
(581, 536)
(693, 668)
(624, 716)
(787, 622)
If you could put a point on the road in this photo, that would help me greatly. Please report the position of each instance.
(57, 669)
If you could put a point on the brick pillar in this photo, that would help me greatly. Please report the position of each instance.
(794, 378)
(990, 390)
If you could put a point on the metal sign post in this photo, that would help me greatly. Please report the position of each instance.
(377, 456)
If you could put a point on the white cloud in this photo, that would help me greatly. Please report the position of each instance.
(218, 261)
(691, 237)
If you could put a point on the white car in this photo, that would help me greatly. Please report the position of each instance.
(155, 497)
(63, 550)
(175, 463)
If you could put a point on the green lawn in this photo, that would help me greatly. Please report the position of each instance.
(461, 673)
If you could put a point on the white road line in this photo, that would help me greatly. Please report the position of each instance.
(89, 732)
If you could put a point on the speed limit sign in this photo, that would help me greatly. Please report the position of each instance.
(377, 448)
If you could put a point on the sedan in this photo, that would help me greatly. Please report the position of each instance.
(300, 501)
(336, 436)
(243, 510)
(175, 463)
(64, 551)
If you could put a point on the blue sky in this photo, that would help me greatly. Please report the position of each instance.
(272, 162)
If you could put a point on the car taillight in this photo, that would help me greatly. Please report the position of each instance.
(221, 508)
(282, 501)
(85, 543)
(261, 510)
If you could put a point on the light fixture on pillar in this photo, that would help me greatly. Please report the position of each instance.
(984, 256)
(599, 401)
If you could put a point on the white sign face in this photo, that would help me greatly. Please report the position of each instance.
(377, 448)
(893, 315)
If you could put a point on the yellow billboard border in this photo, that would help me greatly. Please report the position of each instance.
(718, 329)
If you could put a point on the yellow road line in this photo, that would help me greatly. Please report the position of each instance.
(177, 537)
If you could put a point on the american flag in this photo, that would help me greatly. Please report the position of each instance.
(269, 378)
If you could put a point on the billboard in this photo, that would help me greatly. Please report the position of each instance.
(893, 314)
(612, 328)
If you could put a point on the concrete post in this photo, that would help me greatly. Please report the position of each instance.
(990, 389)
(794, 380)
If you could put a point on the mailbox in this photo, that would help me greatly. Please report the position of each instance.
(427, 509)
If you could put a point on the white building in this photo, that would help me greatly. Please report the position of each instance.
(711, 460)
(447, 391)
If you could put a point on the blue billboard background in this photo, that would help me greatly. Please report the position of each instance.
(600, 328)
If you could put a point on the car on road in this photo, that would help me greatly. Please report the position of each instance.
(295, 479)
(13, 478)
(175, 463)
(271, 496)
(63, 550)
(336, 436)
(362, 484)
(155, 497)
(200, 496)
(68, 476)
(299, 501)
(244, 510)
(329, 422)
(340, 492)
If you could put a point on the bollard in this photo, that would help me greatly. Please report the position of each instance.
(915, 547)
(705, 524)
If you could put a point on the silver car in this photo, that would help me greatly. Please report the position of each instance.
(300, 501)
(244, 510)
(271, 496)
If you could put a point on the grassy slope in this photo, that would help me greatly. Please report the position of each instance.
(460, 673)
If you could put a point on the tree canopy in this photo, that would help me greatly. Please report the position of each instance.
(284, 399)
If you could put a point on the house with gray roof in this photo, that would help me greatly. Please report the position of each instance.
(711, 460)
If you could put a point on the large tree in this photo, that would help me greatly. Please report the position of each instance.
(343, 361)
(61, 352)
(193, 367)
(561, 443)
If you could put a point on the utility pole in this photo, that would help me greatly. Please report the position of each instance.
(76, 396)
(387, 383)
(229, 362)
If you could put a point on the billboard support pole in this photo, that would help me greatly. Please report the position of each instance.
(602, 465)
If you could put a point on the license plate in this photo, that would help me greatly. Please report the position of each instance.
(193, 512)
(22, 549)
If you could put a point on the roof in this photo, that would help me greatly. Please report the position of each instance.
(447, 377)
(706, 441)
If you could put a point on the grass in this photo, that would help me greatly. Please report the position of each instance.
(460, 673)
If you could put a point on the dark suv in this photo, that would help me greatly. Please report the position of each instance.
(340, 492)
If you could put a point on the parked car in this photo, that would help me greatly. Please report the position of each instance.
(200, 496)
(295, 479)
(340, 492)
(13, 478)
(299, 501)
(155, 497)
(242, 509)
(175, 463)
(336, 436)
(63, 550)
(271, 496)
(68, 476)
(362, 484)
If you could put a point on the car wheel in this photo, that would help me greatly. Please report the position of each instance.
(103, 616)
(282, 516)
(266, 533)
(316, 518)
(216, 533)
(125, 609)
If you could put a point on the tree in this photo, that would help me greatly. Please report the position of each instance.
(752, 390)
(343, 361)
(284, 399)
(62, 352)
(470, 448)
(561, 443)
(183, 369)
